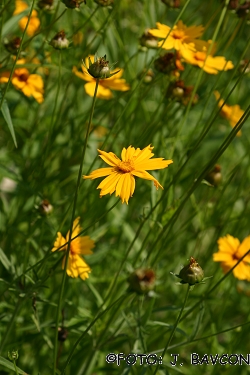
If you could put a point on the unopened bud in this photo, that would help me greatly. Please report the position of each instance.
(45, 208)
(47, 5)
(192, 273)
(100, 68)
(13, 356)
(59, 41)
(148, 40)
(214, 176)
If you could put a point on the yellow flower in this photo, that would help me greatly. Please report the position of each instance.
(230, 251)
(209, 64)
(115, 83)
(232, 113)
(135, 162)
(29, 84)
(81, 245)
(180, 37)
(34, 21)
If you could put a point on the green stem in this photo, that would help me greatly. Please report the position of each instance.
(71, 229)
(9, 328)
(175, 326)
(14, 363)
(17, 56)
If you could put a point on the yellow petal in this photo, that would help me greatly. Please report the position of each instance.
(99, 173)
(150, 165)
(59, 242)
(109, 157)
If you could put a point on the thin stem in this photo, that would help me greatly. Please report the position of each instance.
(71, 229)
(175, 326)
(9, 328)
(17, 56)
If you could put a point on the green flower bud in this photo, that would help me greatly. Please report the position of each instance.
(142, 281)
(214, 177)
(59, 41)
(13, 356)
(100, 68)
(192, 273)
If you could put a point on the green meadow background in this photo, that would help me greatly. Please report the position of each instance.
(159, 230)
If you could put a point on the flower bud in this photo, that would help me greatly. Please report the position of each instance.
(104, 3)
(13, 356)
(72, 4)
(59, 41)
(100, 68)
(192, 273)
(45, 208)
(148, 40)
(148, 77)
(214, 176)
(47, 5)
(12, 45)
(142, 281)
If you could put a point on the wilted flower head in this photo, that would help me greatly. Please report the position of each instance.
(169, 63)
(181, 93)
(78, 246)
(72, 4)
(135, 162)
(12, 45)
(60, 41)
(45, 208)
(142, 280)
(230, 251)
(47, 5)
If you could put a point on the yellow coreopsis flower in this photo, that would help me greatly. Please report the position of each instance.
(230, 251)
(180, 37)
(133, 162)
(34, 23)
(81, 245)
(29, 84)
(232, 113)
(208, 63)
(105, 85)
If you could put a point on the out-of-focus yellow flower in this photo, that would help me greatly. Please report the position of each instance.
(208, 63)
(81, 245)
(230, 251)
(232, 113)
(34, 23)
(29, 84)
(105, 85)
(180, 37)
(135, 162)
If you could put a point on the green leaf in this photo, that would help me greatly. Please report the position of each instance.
(5, 261)
(7, 117)
(12, 23)
(4, 362)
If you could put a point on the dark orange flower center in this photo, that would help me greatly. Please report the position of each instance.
(126, 166)
(178, 34)
(23, 77)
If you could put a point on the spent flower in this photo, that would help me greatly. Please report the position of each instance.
(230, 251)
(133, 162)
(60, 41)
(78, 246)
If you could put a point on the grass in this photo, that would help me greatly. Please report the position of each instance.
(64, 325)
